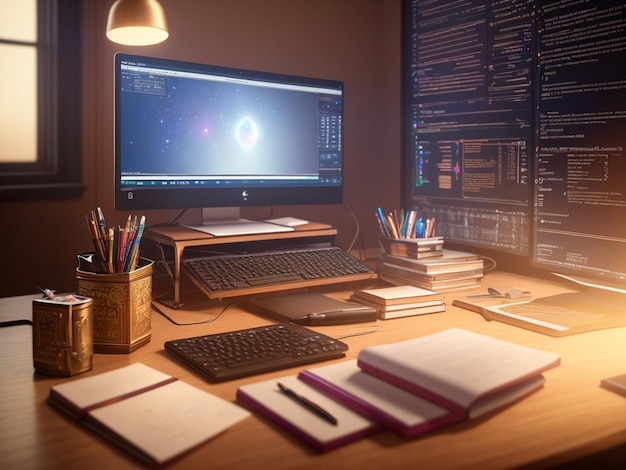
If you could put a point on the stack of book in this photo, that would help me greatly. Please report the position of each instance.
(450, 270)
(410, 387)
(415, 248)
(400, 301)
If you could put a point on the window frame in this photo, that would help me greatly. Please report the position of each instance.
(57, 172)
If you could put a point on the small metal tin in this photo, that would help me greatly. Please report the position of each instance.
(63, 334)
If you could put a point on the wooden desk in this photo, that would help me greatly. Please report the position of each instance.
(571, 417)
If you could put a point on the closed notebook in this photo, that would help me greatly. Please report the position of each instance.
(395, 295)
(266, 398)
(398, 410)
(468, 373)
(409, 312)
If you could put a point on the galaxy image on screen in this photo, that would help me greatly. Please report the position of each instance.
(217, 129)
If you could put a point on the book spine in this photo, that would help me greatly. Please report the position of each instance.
(410, 312)
(413, 388)
(370, 411)
(352, 402)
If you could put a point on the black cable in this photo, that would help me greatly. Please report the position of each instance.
(15, 323)
(174, 221)
(210, 320)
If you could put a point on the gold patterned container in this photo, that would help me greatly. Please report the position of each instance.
(62, 335)
(121, 307)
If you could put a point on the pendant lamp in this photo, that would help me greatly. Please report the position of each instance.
(137, 23)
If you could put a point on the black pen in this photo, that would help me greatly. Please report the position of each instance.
(308, 404)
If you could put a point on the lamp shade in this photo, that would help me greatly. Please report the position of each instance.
(137, 23)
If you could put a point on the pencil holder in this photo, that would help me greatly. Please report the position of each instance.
(62, 335)
(121, 307)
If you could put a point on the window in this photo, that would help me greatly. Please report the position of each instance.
(40, 85)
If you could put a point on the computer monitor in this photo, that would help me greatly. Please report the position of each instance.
(467, 125)
(515, 134)
(191, 135)
(579, 196)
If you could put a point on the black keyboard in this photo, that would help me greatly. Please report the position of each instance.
(234, 275)
(225, 356)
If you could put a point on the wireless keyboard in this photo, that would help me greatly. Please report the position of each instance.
(224, 356)
(234, 275)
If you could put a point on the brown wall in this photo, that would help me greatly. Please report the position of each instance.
(356, 41)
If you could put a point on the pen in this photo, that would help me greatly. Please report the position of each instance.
(338, 317)
(308, 404)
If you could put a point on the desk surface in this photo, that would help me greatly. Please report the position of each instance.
(571, 417)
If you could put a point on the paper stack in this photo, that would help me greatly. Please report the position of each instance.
(400, 301)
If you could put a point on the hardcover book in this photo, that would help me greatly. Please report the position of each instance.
(400, 301)
(400, 411)
(412, 247)
(468, 373)
(392, 277)
(386, 296)
(441, 265)
(391, 313)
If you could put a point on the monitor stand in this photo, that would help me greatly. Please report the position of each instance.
(226, 221)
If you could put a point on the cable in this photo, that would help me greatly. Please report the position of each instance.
(174, 221)
(374, 329)
(357, 225)
(15, 323)
(210, 320)
(489, 267)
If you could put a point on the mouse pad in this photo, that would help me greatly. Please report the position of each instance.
(311, 308)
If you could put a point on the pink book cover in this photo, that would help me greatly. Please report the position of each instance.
(398, 410)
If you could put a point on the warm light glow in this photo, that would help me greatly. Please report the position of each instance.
(18, 91)
(18, 95)
(137, 23)
(18, 20)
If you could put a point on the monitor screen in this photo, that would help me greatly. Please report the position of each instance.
(190, 135)
(515, 130)
(580, 190)
(467, 124)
